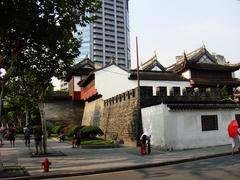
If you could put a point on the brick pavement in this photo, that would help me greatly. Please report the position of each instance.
(67, 161)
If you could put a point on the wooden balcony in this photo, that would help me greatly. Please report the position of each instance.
(88, 91)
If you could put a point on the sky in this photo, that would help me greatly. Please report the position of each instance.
(170, 27)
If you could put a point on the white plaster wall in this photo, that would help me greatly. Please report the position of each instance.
(112, 81)
(152, 122)
(76, 81)
(187, 74)
(183, 129)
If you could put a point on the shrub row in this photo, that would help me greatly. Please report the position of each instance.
(69, 130)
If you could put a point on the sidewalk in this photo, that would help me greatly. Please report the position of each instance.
(67, 161)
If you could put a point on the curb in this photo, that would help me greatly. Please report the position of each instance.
(99, 171)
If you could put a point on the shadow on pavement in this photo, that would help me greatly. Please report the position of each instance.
(14, 171)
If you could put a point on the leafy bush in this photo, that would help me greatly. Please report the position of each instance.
(50, 126)
(91, 131)
(57, 129)
(73, 130)
(67, 128)
(19, 130)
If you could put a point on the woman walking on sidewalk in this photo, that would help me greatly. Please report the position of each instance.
(236, 142)
(11, 134)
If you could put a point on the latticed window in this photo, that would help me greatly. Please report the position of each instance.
(175, 91)
(161, 91)
(209, 122)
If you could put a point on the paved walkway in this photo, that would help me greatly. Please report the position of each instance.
(67, 161)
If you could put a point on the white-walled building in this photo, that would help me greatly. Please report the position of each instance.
(184, 128)
(78, 73)
(113, 80)
(199, 118)
(188, 106)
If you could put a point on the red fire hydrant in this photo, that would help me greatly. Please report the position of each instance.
(46, 163)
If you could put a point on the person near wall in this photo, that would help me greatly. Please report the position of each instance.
(61, 136)
(78, 141)
(1, 133)
(236, 142)
(74, 140)
(37, 132)
(26, 131)
(11, 134)
(145, 143)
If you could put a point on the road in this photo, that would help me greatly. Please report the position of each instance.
(226, 167)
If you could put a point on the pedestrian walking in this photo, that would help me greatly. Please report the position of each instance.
(1, 133)
(37, 131)
(74, 140)
(26, 131)
(11, 134)
(236, 142)
(78, 141)
(61, 136)
(234, 134)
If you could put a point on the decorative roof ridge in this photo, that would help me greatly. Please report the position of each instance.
(151, 63)
(154, 58)
(191, 54)
(85, 61)
(231, 65)
(111, 64)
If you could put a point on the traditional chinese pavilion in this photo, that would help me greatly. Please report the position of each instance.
(79, 73)
(204, 69)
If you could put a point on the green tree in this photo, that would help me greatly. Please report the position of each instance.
(19, 95)
(226, 93)
(37, 36)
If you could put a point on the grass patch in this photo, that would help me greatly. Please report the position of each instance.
(20, 136)
(54, 135)
(95, 141)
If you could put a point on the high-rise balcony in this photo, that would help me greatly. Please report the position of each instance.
(97, 53)
(97, 30)
(107, 43)
(112, 49)
(97, 42)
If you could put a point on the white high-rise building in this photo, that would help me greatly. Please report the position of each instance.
(108, 37)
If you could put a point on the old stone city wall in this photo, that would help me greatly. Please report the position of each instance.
(116, 116)
(62, 110)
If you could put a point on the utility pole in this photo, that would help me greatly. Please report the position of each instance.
(139, 117)
(138, 79)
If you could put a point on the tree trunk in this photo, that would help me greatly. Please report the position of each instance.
(1, 102)
(19, 121)
(44, 127)
(26, 114)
